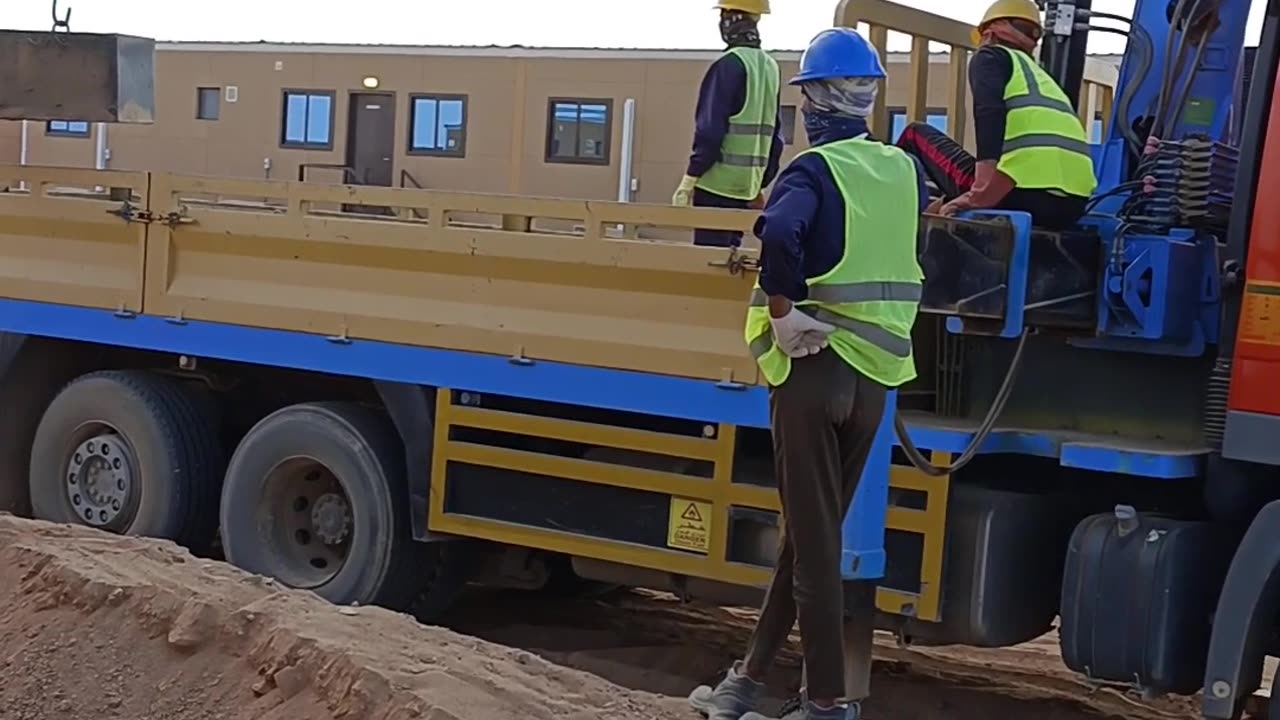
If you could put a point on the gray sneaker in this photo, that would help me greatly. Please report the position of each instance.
(809, 711)
(734, 697)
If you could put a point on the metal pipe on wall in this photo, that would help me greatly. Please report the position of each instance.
(625, 184)
(100, 150)
(22, 151)
(100, 147)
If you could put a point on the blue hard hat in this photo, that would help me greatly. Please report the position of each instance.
(839, 53)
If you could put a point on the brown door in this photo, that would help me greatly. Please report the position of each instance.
(371, 138)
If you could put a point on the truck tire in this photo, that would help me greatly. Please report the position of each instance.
(316, 497)
(129, 452)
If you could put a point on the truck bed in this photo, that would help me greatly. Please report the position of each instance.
(531, 279)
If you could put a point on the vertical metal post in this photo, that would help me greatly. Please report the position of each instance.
(625, 167)
(100, 147)
(1062, 51)
(99, 150)
(22, 150)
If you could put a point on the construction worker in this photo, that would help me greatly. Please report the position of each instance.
(830, 325)
(737, 141)
(1033, 153)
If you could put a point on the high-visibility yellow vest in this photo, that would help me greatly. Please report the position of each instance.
(1045, 146)
(744, 154)
(872, 295)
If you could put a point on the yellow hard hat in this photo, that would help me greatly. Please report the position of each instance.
(1009, 9)
(755, 7)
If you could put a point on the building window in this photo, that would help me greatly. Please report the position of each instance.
(307, 119)
(787, 121)
(208, 103)
(438, 125)
(579, 131)
(898, 120)
(67, 128)
(1097, 129)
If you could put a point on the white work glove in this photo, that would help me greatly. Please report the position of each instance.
(683, 196)
(800, 335)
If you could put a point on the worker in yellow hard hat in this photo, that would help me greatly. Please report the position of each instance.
(1032, 151)
(737, 144)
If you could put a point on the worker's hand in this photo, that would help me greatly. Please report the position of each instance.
(800, 335)
(954, 207)
(683, 196)
(935, 207)
(758, 203)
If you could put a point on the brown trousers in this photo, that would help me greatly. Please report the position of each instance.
(824, 420)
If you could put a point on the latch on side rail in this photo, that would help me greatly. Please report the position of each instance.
(738, 262)
(132, 213)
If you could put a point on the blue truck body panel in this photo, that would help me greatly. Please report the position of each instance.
(551, 382)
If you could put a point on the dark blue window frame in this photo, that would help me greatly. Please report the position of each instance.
(430, 131)
(306, 119)
(577, 113)
(67, 128)
(933, 116)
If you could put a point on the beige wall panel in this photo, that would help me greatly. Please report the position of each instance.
(506, 127)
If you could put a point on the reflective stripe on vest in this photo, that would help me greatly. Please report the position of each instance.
(1045, 146)
(744, 153)
(873, 293)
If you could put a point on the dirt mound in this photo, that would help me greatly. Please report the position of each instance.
(98, 627)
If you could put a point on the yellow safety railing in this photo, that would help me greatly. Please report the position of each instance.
(881, 16)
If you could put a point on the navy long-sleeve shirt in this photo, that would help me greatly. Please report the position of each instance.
(801, 231)
(722, 95)
(990, 69)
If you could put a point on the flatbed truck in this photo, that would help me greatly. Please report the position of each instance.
(384, 394)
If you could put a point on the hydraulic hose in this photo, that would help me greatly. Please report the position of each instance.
(1145, 54)
(984, 430)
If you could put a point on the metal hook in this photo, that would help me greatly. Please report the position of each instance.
(63, 22)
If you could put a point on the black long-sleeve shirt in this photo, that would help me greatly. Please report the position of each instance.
(989, 72)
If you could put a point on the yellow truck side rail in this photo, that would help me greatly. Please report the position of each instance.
(60, 245)
(716, 496)
(286, 257)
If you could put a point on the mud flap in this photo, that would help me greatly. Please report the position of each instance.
(10, 345)
(1245, 618)
(412, 409)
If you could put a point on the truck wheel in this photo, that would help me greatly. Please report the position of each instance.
(316, 497)
(128, 452)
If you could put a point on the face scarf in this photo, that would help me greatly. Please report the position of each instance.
(836, 105)
(739, 29)
(1017, 34)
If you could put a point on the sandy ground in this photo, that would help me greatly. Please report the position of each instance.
(651, 642)
(97, 627)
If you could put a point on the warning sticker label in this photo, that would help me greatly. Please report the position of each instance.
(1260, 316)
(690, 525)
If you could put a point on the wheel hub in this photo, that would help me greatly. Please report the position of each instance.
(331, 518)
(100, 479)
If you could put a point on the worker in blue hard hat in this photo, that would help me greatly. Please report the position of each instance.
(737, 141)
(829, 324)
(1032, 151)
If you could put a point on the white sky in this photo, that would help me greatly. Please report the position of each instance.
(555, 23)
